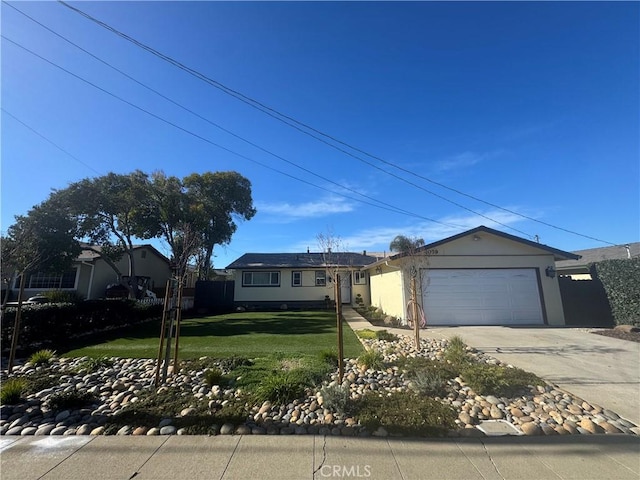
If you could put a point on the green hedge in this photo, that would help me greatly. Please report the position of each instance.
(621, 280)
(53, 325)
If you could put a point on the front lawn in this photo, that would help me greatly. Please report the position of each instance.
(247, 334)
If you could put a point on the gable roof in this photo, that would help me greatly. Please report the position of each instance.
(593, 255)
(301, 260)
(88, 255)
(557, 254)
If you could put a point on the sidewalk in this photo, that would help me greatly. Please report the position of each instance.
(315, 457)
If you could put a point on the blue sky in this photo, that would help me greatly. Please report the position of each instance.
(533, 107)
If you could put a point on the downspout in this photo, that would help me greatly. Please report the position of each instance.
(92, 265)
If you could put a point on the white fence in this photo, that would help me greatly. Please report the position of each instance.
(187, 302)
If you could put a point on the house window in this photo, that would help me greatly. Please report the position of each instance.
(48, 280)
(321, 278)
(360, 278)
(260, 279)
(296, 279)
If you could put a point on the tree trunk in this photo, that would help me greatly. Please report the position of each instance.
(134, 291)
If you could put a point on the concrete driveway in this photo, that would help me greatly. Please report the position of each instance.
(600, 370)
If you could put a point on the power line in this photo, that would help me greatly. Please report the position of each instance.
(279, 116)
(217, 125)
(51, 142)
(297, 124)
(388, 206)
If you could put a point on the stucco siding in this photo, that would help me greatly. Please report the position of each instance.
(487, 252)
(287, 292)
(387, 292)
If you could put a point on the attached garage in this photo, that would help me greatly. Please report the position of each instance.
(479, 277)
(499, 296)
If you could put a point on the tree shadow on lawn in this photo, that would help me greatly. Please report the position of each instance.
(236, 326)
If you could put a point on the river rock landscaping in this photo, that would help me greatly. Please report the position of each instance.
(444, 389)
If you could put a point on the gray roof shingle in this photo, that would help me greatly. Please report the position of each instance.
(301, 260)
(593, 255)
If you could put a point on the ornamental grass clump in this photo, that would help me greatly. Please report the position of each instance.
(456, 351)
(41, 357)
(12, 390)
(371, 359)
(282, 387)
(212, 376)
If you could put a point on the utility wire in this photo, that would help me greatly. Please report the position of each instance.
(388, 207)
(297, 124)
(47, 140)
(217, 125)
(278, 116)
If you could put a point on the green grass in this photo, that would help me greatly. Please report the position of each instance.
(247, 334)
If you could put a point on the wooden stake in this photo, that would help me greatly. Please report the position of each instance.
(16, 324)
(416, 320)
(178, 321)
(162, 333)
(338, 297)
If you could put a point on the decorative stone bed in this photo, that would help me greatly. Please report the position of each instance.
(546, 410)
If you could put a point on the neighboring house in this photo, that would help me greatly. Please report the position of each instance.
(299, 279)
(90, 274)
(579, 269)
(479, 277)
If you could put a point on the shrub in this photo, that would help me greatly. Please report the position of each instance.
(330, 357)
(212, 376)
(430, 382)
(366, 333)
(91, 365)
(371, 359)
(404, 413)
(52, 325)
(456, 351)
(231, 363)
(621, 281)
(12, 390)
(498, 380)
(335, 397)
(72, 400)
(41, 357)
(386, 336)
(40, 380)
(282, 387)
(62, 296)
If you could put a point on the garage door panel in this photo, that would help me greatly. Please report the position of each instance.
(481, 297)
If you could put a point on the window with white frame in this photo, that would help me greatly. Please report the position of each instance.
(296, 279)
(260, 279)
(48, 280)
(321, 278)
(360, 277)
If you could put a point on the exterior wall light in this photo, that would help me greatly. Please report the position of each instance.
(550, 272)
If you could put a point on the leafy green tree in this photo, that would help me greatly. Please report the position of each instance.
(217, 201)
(407, 245)
(108, 211)
(42, 240)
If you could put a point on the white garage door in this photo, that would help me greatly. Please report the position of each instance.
(481, 297)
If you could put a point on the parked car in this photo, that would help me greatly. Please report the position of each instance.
(38, 299)
(116, 290)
